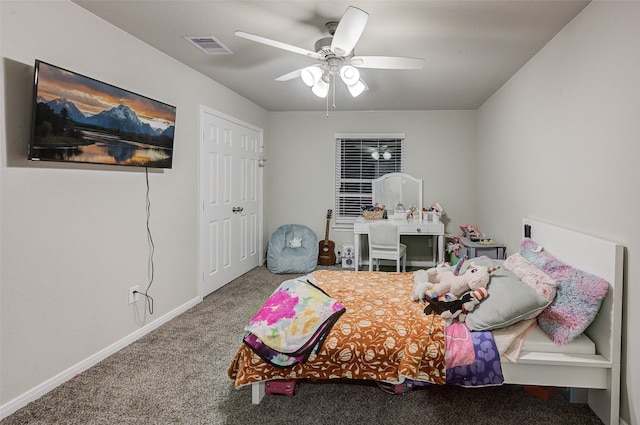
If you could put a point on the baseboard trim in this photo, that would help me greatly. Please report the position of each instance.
(40, 390)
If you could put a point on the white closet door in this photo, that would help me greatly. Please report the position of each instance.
(231, 193)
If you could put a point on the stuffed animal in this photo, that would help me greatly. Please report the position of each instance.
(421, 283)
(421, 279)
(456, 308)
(430, 283)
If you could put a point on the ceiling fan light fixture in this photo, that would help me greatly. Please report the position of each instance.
(357, 88)
(336, 57)
(350, 75)
(320, 88)
(311, 75)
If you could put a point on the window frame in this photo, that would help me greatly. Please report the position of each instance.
(342, 219)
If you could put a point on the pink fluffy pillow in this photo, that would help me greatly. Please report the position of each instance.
(578, 298)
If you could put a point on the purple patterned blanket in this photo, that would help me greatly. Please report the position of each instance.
(473, 359)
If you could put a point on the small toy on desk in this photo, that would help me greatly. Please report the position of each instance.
(412, 213)
(434, 212)
(468, 231)
(400, 213)
(474, 235)
(437, 208)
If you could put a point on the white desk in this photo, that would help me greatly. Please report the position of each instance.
(434, 229)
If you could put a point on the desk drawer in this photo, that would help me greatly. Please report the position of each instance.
(422, 228)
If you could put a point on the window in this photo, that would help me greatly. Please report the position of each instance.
(359, 160)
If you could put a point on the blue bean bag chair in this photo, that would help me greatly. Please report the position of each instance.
(293, 248)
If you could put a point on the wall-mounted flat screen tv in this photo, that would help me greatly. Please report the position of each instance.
(80, 119)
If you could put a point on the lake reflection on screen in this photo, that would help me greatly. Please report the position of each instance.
(108, 150)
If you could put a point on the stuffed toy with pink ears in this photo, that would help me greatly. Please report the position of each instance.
(431, 283)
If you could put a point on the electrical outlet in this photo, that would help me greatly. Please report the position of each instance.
(134, 296)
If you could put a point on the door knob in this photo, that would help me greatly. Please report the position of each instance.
(237, 209)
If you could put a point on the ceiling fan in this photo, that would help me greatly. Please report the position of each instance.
(336, 56)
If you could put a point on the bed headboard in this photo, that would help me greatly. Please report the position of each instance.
(600, 257)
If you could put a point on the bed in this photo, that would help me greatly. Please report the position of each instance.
(589, 363)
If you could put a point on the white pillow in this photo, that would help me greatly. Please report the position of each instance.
(537, 280)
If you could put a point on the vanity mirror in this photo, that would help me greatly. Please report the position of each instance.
(397, 188)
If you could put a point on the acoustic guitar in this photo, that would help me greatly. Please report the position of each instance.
(326, 251)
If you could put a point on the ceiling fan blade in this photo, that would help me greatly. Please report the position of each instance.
(290, 76)
(386, 62)
(278, 44)
(349, 30)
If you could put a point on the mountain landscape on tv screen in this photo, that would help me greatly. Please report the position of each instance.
(115, 136)
(121, 118)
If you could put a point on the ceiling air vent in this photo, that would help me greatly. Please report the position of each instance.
(208, 44)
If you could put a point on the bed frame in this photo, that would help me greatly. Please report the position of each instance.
(598, 374)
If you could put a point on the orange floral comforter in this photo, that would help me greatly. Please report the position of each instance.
(383, 336)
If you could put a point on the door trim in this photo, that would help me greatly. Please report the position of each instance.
(201, 198)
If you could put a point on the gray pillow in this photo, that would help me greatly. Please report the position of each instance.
(510, 300)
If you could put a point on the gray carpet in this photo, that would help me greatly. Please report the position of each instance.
(177, 374)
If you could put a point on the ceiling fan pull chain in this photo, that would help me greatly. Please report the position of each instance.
(327, 100)
(333, 83)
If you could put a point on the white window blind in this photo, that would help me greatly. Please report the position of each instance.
(359, 160)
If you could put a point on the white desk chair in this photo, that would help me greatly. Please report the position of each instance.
(384, 244)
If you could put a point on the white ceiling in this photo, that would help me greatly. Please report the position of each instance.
(471, 48)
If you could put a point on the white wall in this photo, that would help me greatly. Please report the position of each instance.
(300, 180)
(73, 238)
(561, 137)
